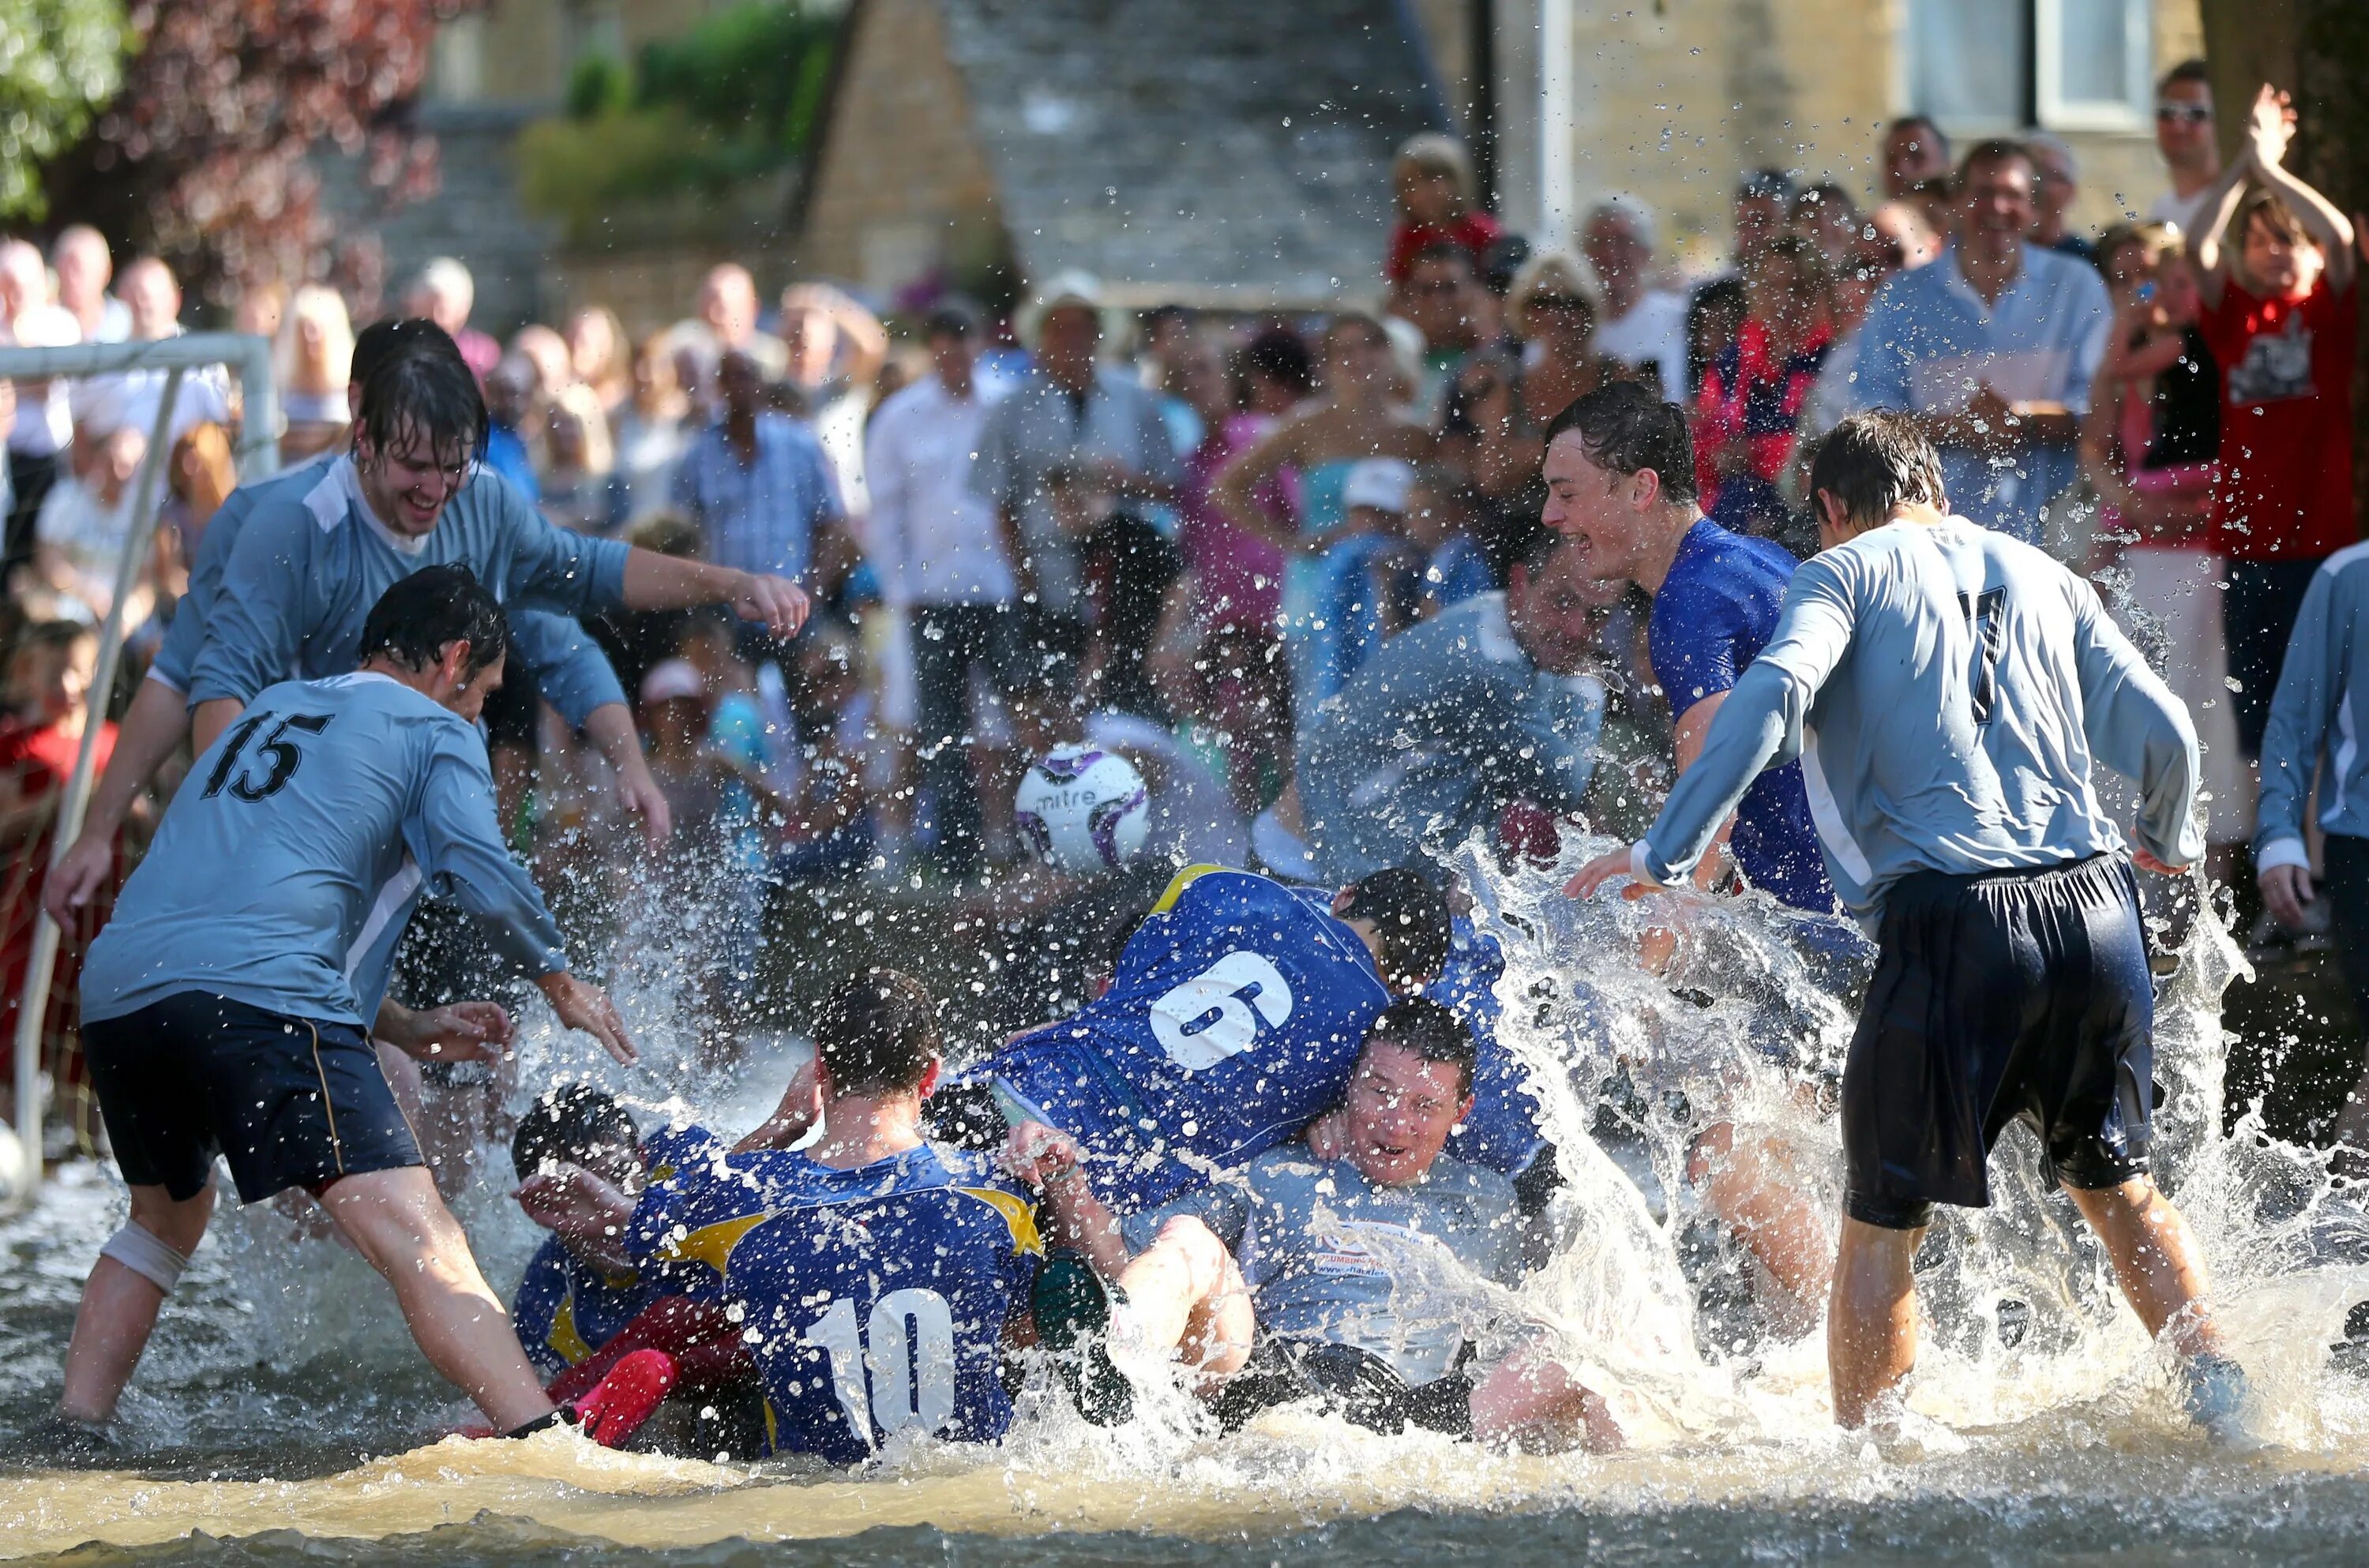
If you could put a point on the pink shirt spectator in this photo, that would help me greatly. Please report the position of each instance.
(1238, 576)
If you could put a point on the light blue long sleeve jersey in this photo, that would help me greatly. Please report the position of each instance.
(303, 834)
(2316, 713)
(302, 565)
(566, 666)
(1947, 690)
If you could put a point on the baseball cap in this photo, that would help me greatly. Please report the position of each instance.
(669, 679)
(1378, 482)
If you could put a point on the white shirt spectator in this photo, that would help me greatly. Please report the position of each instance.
(1653, 333)
(933, 536)
(102, 405)
(87, 532)
(44, 424)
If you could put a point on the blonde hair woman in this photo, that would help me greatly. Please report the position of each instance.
(580, 489)
(313, 359)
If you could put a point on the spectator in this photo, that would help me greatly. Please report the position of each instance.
(728, 309)
(1236, 577)
(1443, 298)
(1550, 312)
(1936, 201)
(653, 427)
(78, 540)
(756, 482)
(1914, 151)
(2058, 174)
(833, 823)
(1764, 201)
(836, 351)
(42, 426)
(1871, 263)
(312, 362)
(1715, 315)
(1904, 226)
(1825, 216)
(199, 478)
(597, 353)
(2185, 134)
(1069, 412)
(510, 410)
(2150, 445)
(1502, 693)
(1749, 412)
(1436, 205)
(1440, 526)
(579, 485)
(933, 540)
(85, 268)
(2282, 322)
(1129, 566)
(554, 365)
(1358, 419)
(260, 310)
(108, 403)
(1993, 348)
(445, 294)
(50, 667)
(1643, 328)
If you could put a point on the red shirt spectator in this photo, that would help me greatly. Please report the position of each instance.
(2286, 422)
(1473, 229)
(1749, 412)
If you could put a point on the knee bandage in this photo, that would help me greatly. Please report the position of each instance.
(141, 1252)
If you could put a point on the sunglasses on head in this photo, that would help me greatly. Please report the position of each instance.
(2191, 113)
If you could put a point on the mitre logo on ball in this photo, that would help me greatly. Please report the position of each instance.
(1083, 808)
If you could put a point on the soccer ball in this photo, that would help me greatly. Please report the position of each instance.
(1084, 809)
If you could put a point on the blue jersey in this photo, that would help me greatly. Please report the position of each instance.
(303, 832)
(872, 1300)
(565, 1309)
(1714, 614)
(1501, 1132)
(1238, 1010)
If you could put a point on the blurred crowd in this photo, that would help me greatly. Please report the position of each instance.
(1180, 533)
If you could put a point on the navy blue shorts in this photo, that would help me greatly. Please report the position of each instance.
(288, 1102)
(2020, 994)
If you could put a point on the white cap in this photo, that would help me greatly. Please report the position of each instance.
(1378, 482)
(1070, 287)
(669, 679)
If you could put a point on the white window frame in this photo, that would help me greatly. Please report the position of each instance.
(2057, 112)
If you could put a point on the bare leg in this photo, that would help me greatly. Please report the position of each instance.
(1183, 1293)
(1872, 1318)
(119, 1307)
(396, 1221)
(2155, 1261)
(1531, 1402)
(1744, 1181)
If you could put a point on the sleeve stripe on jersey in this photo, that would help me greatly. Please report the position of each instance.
(564, 1340)
(1016, 1214)
(1185, 878)
(713, 1244)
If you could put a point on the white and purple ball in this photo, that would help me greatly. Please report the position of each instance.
(1084, 809)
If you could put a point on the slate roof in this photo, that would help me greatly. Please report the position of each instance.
(1215, 151)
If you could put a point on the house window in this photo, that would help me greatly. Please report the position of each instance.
(1989, 65)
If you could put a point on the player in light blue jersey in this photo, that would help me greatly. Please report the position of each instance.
(1948, 689)
(219, 1014)
(876, 1276)
(1236, 1007)
(310, 560)
(2314, 738)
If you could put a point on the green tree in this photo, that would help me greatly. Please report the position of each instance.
(61, 61)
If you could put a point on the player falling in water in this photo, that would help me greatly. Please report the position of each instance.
(1948, 689)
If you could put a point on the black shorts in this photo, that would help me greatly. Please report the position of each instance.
(1362, 1386)
(2020, 994)
(289, 1102)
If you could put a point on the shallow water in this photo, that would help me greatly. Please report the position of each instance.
(281, 1416)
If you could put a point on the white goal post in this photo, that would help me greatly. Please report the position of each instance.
(249, 358)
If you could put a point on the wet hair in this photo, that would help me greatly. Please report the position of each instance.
(877, 1033)
(1281, 356)
(1410, 918)
(414, 621)
(1874, 462)
(383, 340)
(429, 397)
(1431, 1031)
(1993, 150)
(1626, 428)
(2188, 70)
(573, 1122)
